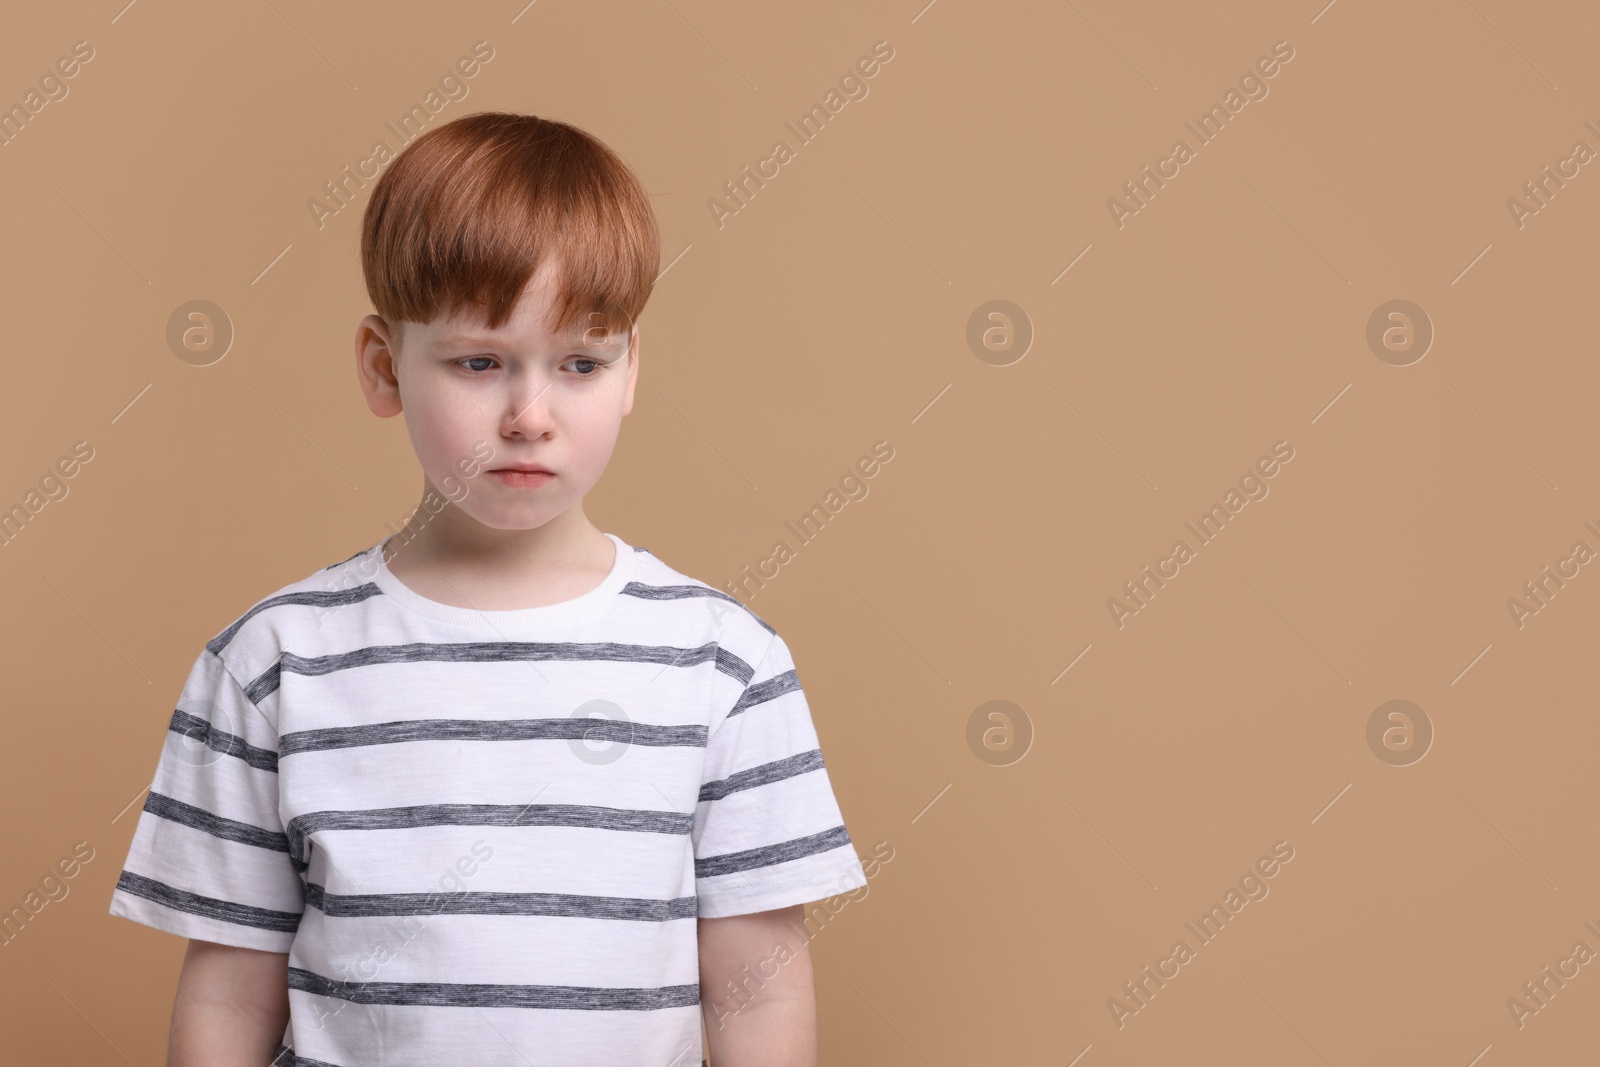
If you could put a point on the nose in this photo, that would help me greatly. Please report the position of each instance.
(527, 411)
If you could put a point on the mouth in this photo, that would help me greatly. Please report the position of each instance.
(521, 477)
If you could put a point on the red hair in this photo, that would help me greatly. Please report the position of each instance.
(470, 210)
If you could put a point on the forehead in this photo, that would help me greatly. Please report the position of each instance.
(470, 332)
(510, 336)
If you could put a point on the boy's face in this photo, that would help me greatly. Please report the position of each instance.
(517, 396)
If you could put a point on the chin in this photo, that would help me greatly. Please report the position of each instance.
(510, 520)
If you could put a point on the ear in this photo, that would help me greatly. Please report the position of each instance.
(375, 367)
(633, 370)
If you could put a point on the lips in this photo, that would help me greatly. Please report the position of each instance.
(522, 477)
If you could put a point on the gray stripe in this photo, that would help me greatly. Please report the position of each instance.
(580, 815)
(228, 829)
(265, 683)
(776, 771)
(313, 597)
(567, 728)
(761, 692)
(767, 855)
(494, 995)
(734, 667)
(679, 592)
(220, 741)
(287, 1058)
(210, 907)
(497, 652)
(455, 902)
(347, 559)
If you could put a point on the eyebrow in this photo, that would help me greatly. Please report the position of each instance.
(572, 338)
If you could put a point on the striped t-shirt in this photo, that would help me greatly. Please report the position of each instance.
(485, 837)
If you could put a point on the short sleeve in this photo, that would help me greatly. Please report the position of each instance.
(209, 858)
(767, 830)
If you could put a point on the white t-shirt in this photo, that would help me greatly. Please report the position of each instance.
(484, 837)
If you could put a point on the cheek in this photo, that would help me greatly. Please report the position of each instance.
(438, 425)
(597, 425)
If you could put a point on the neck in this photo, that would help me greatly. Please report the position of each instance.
(448, 537)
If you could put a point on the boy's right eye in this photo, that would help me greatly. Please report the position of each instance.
(462, 363)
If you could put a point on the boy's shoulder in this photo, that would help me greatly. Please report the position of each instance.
(717, 616)
(254, 640)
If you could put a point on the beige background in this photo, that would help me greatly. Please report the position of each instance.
(830, 313)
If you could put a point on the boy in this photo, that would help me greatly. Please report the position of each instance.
(501, 788)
